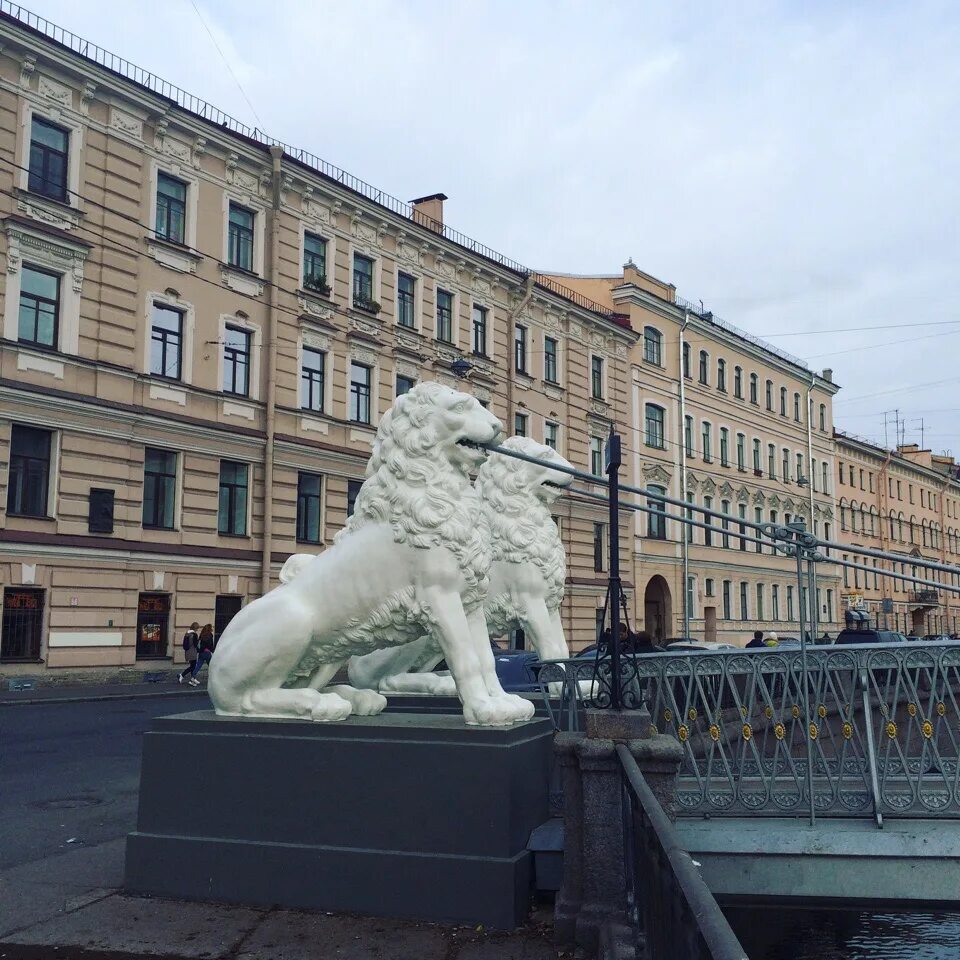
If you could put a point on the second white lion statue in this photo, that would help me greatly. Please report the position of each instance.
(412, 560)
(527, 572)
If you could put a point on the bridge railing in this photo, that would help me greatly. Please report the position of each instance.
(883, 725)
(667, 898)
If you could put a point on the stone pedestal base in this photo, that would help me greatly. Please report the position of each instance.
(402, 815)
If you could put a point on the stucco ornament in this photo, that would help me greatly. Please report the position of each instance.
(527, 572)
(412, 560)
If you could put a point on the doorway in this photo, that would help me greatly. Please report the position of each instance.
(226, 608)
(657, 608)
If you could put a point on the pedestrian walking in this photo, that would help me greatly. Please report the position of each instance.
(757, 640)
(190, 639)
(205, 647)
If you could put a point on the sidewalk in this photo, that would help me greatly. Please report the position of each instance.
(80, 692)
(69, 906)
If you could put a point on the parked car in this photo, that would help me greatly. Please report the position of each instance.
(937, 638)
(869, 636)
(517, 670)
(699, 646)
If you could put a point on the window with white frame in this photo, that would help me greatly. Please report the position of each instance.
(520, 348)
(757, 464)
(315, 264)
(170, 221)
(159, 489)
(232, 507)
(520, 424)
(654, 425)
(444, 316)
(363, 293)
(313, 365)
(236, 360)
(406, 300)
(688, 435)
(28, 473)
(550, 365)
(596, 456)
(596, 377)
(360, 387)
(39, 314)
(480, 315)
(738, 382)
(240, 237)
(741, 451)
(653, 346)
(551, 434)
(724, 447)
(706, 435)
(166, 341)
(753, 388)
(49, 159)
(309, 507)
(656, 518)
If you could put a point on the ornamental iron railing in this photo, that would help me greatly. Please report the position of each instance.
(883, 739)
(667, 898)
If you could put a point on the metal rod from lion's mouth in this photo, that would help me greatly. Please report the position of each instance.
(556, 486)
(473, 444)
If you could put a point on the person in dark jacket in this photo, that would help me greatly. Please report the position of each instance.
(205, 647)
(190, 639)
(757, 640)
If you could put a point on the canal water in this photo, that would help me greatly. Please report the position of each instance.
(783, 933)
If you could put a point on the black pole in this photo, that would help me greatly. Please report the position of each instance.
(614, 590)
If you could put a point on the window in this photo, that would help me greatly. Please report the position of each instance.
(353, 490)
(758, 519)
(742, 527)
(236, 361)
(686, 361)
(359, 392)
(753, 388)
(550, 360)
(166, 341)
(688, 435)
(232, 512)
(796, 407)
(783, 401)
(656, 519)
(480, 335)
(775, 601)
(727, 612)
(738, 382)
(20, 634)
(29, 471)
(551, 433)
(823, 416)
(799, 473)
(705, 435)
(598, 551)
(769, 396)
(757, 465)
(240, 237)
(704, 360)
(404, 384)
(520, 424)
(308, 507)
(829, 606)
(312, 376)
(596, 377)
(771, 461)
(722, 375)
(444, 316)
(159, 488)
(760, 604)
(596, 456)
(708, 587)
(49, 149)
(786, 465)
(689, 515)
(708, 521)
(744, 609)
(363, 283)
(725, 523)
(653, 346)
(315, 264)
(225, 607)
(520, 348)
(39, 307)
(724, 447)
(171, 218)
(741, 452)
(790, 615)
(654, 425)
(153, 625)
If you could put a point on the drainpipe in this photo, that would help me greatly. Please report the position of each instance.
(684, 540)
(273, 240)
(812, 588)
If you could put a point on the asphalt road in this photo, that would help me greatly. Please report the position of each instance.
(72, 771)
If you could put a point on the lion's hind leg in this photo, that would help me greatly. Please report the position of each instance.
(302, 703)
(365, 703)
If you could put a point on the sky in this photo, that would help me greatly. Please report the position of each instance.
(794, 166)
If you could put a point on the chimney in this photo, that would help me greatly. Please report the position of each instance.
(428, 211)
(827, 374)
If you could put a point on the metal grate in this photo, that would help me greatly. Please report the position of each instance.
(22, 623)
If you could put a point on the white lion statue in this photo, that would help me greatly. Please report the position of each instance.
(412, 559)
(527, 572)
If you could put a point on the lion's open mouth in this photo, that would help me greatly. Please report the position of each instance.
(467, 442)
(554, 484)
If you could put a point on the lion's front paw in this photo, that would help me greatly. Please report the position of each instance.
(329, 706)
(497, 712)
(519, 708)
(367, 703)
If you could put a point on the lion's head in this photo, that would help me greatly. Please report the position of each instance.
(418, 477)
(515, 496)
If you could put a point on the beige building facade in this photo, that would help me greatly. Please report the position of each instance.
(905, 502)
(200, 334)
(730, 424)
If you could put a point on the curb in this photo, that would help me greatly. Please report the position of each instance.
(89, 698)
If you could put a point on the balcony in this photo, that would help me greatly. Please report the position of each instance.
(924, 598)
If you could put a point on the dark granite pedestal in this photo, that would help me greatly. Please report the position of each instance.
(401, 815)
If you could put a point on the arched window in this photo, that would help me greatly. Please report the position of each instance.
(757, 465)
(738, 382)
(825, 470)
(653, 346)
(654, 425)
(724, 447)
(656, 518)
(783, 401)
(823, 416)
(796, 407)
(722, 375)
(770, 395)
(913, 523)
(706, 433)
(843, 515)
(704, 361)
(854, 518)
(741, 452)
(753, 388)
(686, 361)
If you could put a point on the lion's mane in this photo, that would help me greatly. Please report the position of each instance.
(520, 526)
(411, 485)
